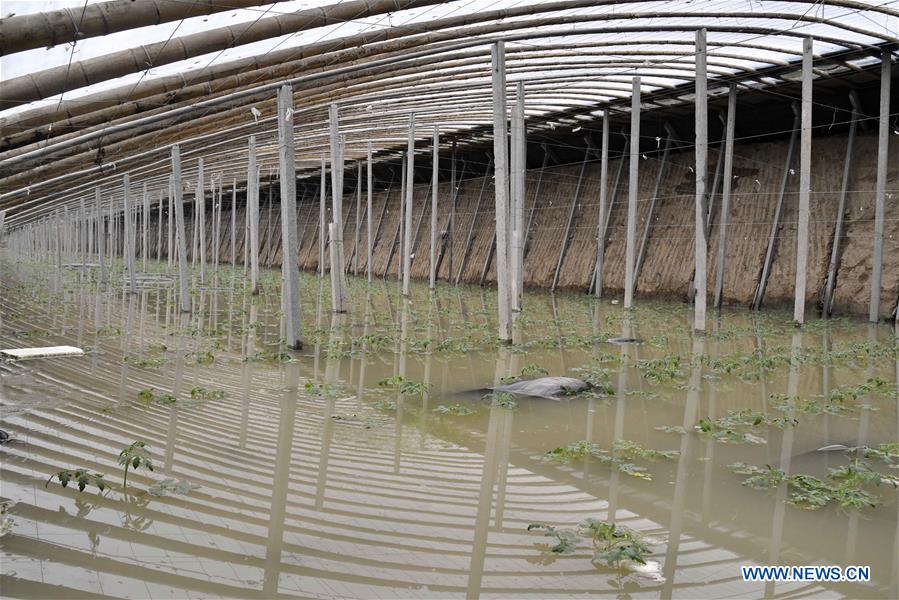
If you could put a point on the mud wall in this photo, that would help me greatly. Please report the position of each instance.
(668, 266)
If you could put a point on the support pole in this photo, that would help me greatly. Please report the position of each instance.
(323, 226)
(128, 242)
(701, 246)
(517, 185)
(880, 186)
(159, 228)
(101, 235)
(233, 222)
(632, 196)
(179, 224)
(145, 225)
(602, 220)
(501, 186)
(358, 231)
(290, 286)
(170, 232)
(253, 215)
(410, 193)
(435, 183)
(338, 283)
(725, 193)
(775, 225)
(369, 241)
(805, 181)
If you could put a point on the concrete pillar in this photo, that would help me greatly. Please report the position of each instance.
(338, 283)
(725, 192)
(290, 285)
(369, 240)
(200, 218)
(410, 194)
(880, 185)
(805, 180)
(435, 184)
(233, 221)
(602, 221)
(178, 201)
(253, 215)
(170, 242)
(128, 245)
(101, 235)
(630, 247)
(501, 186)
(145, 228)
(517, 195)
(702, 153)
(323, 227)
(358, 231)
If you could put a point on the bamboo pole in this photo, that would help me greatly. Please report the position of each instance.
(178, 201)
(805, 183)
(725, 194)
(290, 286)
(410, 192)
(880, 185)
(501, 187)
(632, 196)
(702, 150)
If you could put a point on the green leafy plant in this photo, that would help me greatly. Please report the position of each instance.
(456, 410)
(81, 477)
(148, 396)
(661, 370)
(134, 456)
(201, 394)
(612, 544)
(566, 539)
(501, 399)
(623, 452)
(405, 386)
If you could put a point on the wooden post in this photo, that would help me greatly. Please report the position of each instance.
(880, 186)
(632, 196)
(805, 180)
(702, 154)
(410, 194)
(253, 215)
(128, 240)
(290, 286)
(435, 183)
(725, 194)
(368, 187)
(601, 221)
(501, 186)
(178, 201)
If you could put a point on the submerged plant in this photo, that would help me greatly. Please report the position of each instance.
(147, 396)
(81, 477)
(501, 399)
(661, 370)
(612, 544)
(405, 386)
(201, 394)
(456, 410)
(622, 452)
(134, 456)
(566, 539)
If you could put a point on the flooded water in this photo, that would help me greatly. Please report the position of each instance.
(308, 475)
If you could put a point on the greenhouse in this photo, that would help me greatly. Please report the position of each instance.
(418, 299)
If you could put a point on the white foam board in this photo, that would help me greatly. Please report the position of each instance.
(45, 352)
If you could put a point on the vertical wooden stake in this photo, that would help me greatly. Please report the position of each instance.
(702, 150)
(290, 286)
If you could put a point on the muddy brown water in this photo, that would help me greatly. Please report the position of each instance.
(316, 481)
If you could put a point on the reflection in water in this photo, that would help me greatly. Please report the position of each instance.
(409, 502)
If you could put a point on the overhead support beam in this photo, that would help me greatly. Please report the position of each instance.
(725, 192)
(410, 194)
(177, 187)
(290, 273)
(805, 184)
(630, 246)
(501, 187)
(883, 143)
(702, 158)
